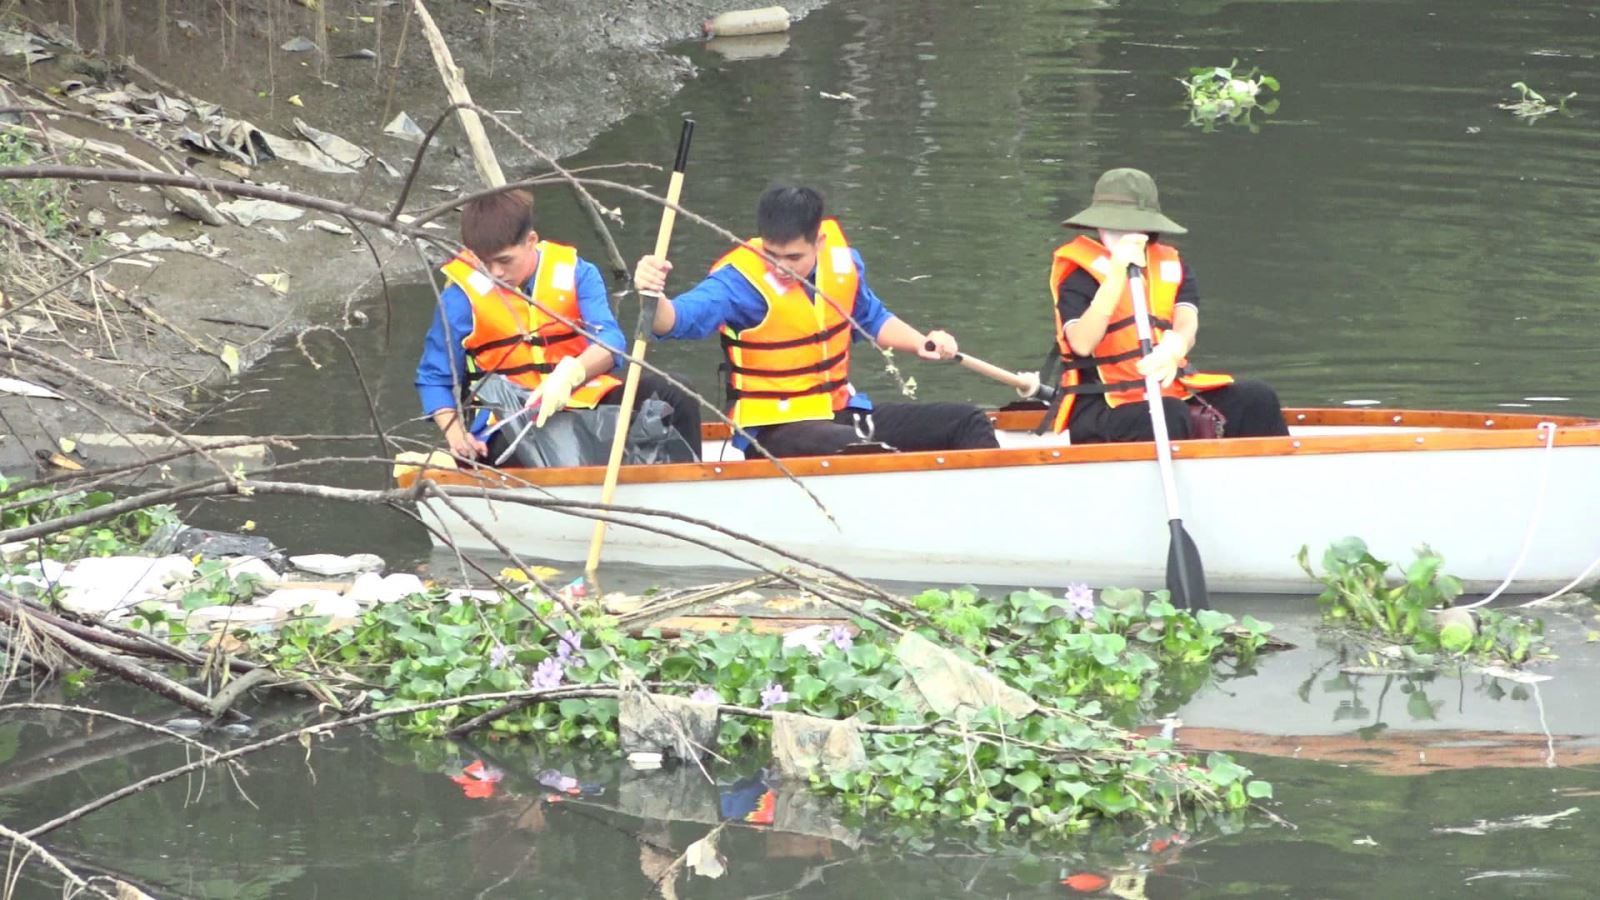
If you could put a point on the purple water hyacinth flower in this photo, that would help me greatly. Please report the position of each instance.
(499, 656)
(706, 695)
(571, 642)
(1081, 598)
(841, 638)
(773, 695)
(548, 674)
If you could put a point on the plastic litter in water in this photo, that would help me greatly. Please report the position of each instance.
(1086, 882)
(641, 759)
(478, 780)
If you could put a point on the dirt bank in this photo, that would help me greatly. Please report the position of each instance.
(160, 334)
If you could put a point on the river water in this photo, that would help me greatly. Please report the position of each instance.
(1386, 235)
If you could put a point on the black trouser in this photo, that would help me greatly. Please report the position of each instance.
(903, 426)
(685, 409)
(1251, 408)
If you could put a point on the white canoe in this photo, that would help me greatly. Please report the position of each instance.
(1038, 512)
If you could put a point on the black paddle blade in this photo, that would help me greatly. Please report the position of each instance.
(1186, 576)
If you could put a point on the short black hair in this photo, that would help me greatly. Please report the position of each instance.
(786, 213)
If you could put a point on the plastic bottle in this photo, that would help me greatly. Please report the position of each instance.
(766, 20)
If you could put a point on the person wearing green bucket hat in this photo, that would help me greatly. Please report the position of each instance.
(1102, 396)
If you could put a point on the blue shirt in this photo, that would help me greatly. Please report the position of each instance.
(443, 366)
(726, 297)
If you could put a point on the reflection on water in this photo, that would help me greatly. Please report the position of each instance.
(1388, 235)
(363, 817)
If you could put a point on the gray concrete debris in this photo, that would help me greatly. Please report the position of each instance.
(332, 565)
(954, 687)
(675, 726)
(803, 746)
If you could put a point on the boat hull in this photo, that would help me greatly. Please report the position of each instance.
(1041, 518)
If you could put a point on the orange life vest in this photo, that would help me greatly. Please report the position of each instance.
(794, 366)
(521, 337)
(1116, 357)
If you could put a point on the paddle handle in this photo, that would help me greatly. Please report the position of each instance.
(1186, 575)
(669, 212)
(1152, 393)
(995, 373)
(641, 339)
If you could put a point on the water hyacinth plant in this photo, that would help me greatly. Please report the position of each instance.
(1532, 105)
(1409, 607)
(1220, 94)
(1095, 664)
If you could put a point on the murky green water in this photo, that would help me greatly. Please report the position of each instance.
(1376, 775)
(1387, 235)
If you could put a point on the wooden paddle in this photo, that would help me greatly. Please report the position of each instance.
(1005, 377)
(641, 337)
(1186, 576)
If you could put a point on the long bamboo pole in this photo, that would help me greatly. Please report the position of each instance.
(641, 337)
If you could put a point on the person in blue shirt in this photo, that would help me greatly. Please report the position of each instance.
(480, 327)
(787, 347)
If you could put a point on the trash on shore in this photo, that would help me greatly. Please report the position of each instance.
(766, 20)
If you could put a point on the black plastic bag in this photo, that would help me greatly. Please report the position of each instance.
(577, 437)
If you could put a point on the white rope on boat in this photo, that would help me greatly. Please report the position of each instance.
(1549, 429)
(1569, 586)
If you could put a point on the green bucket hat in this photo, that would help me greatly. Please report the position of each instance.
(1125, 200)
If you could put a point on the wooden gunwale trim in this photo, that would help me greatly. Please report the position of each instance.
(1467, 431)
(1028, 420)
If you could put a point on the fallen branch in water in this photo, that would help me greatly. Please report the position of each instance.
(102, 714)
(31, 849)
(13, 611)
(96, 635)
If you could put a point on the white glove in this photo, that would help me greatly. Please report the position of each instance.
(1032, 386)
(1163, 361)
(554, 392)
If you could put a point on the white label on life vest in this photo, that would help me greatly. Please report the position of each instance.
(783, 405)
(1101, 264)
(479, 283)
(842, 261)
(562, 277)
(1171, 270)
(772, 282)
